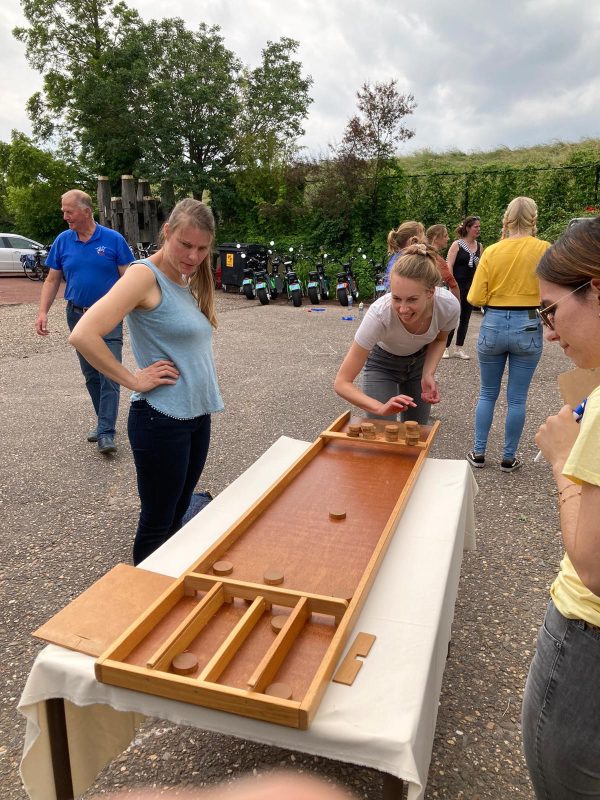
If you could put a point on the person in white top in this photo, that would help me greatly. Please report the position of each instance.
(400, 342)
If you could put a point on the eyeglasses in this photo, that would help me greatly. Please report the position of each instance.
(546, 313)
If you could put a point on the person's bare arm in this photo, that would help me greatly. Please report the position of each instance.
(579, 506)
(344, 386)
(135, 289)
(49, 291)
(435, 350)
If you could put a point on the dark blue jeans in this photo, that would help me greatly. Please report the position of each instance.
(561, 710)
(103, 391)
(169, 456)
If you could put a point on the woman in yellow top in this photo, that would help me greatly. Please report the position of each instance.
(506, 286)
(561, 706)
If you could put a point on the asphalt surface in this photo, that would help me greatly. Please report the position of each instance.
(69, 514)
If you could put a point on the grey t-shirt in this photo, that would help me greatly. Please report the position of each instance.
(382, 326)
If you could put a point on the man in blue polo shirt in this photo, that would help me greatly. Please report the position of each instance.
(91, 258)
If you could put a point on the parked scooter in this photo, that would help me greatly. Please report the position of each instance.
(318, 282)
(292, 283)
(248, 282)
(346, 283)
(265, 288)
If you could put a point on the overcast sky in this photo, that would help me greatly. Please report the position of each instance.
(484, 73)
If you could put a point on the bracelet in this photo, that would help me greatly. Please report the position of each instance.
(569, 486)
(563, 500)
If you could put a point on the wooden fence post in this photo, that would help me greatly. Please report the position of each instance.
(103, 194)
(131, 227)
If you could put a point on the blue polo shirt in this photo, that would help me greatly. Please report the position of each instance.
(90, 268)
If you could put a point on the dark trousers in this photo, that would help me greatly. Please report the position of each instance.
(169, 456)
(466, 309)
(103, 392)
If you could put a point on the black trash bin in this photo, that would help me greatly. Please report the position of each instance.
(232, 263)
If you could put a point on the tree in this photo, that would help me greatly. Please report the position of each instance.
(89, 53)
(275, 103)
(193, 108)
(369, 144)
(34, 181)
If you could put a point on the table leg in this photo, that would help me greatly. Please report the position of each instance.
(59, 748)
(393, 787)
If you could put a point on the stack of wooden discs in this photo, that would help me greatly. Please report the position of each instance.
(391, 433)
(412, 432)
(368, 430)
(354, 431)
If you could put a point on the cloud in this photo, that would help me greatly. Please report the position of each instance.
(483, 73)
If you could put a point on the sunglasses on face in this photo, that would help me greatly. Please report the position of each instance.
(546, 313)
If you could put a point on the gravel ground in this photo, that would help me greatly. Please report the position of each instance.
(69, 514)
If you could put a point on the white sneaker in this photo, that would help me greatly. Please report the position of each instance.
(446, 353)
(461, 354)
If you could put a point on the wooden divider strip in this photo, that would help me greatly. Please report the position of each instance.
(233, 642)
(374, 442)
(275, 655)
(319, 604)
(188, 629)
(145, 623)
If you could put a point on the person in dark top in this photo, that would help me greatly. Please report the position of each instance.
(463, 258)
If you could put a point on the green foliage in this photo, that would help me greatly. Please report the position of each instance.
(33, 181)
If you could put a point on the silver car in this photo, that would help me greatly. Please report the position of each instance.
(12, 247)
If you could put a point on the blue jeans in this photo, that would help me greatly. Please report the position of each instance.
(561, 710)
(103, 391)
(386, 375)
(512, 336)
(169, 456)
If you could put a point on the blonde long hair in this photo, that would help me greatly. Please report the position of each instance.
(192, 212)
(520, 217)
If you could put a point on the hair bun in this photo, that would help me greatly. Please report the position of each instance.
(418, 248)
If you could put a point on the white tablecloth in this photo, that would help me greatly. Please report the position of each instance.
(386, 720)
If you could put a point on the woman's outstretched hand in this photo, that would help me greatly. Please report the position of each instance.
(395, 405)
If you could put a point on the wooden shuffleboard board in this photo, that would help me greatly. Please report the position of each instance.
(257, 624)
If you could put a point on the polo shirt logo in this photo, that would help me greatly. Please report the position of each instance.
(101, 250)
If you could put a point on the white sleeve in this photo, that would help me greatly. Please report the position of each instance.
(371, 329)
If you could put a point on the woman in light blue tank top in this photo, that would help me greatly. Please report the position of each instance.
(170, 307)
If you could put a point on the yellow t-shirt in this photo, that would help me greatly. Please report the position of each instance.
(570, 596)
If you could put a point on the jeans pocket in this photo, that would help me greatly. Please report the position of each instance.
(529, 341)
(487, 339)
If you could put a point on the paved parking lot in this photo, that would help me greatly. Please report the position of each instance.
(69, 515)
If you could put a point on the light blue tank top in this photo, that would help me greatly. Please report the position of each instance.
(178, 331)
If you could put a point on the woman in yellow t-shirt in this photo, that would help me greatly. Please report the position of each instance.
(561, 706)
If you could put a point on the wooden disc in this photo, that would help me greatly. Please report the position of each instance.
(273, 577)
(337, 513)
(222, 568)
(368, 427)
(392, 429)
(354, 429)
(283, 690)
(184, 663)
(278, 621)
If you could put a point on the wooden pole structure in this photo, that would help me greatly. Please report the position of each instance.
(103, 194)
(131, 227)
(116, 211)
(143, 189)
